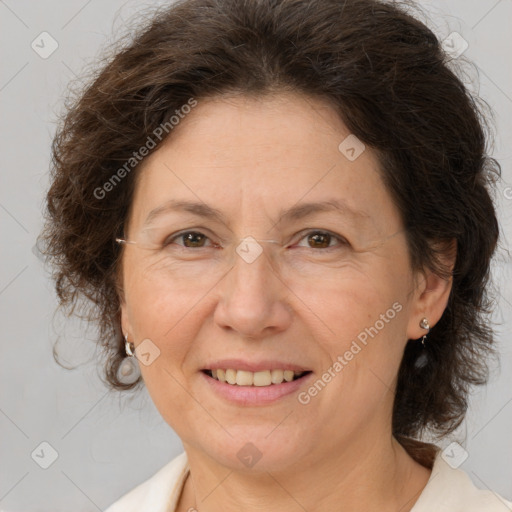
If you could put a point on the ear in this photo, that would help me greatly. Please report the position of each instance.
(432, 293)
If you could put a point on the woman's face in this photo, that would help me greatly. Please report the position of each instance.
(339, 308)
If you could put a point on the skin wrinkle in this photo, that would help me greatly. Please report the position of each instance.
(253, 312)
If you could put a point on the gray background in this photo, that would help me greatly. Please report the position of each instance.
(108, 443)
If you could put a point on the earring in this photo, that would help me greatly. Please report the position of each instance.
(129, 348)
(129, 370)
(424, 325)
(423, 358)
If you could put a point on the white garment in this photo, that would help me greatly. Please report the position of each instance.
(447, 490)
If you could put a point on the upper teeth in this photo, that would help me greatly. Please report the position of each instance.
(263, 378)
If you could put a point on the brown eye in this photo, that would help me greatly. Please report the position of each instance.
(319, 240)
(188, 239)
(193, 239)
(322, 240)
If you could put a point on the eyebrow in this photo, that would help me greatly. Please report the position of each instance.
(198, 209)
(294, 213)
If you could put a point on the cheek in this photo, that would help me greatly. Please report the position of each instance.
(170, 320)
(168, 317)
(361, 322)
(364, 356)
(345, 306)
(157, 304)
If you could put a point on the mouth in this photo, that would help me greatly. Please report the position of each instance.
(264, 378)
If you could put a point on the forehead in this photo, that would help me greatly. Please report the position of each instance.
(250, 158)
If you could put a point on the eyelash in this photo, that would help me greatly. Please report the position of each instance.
(342, 241)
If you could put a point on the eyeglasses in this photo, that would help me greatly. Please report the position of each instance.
(203, 254)
(248, 248)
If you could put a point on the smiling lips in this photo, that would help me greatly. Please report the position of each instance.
(249, 383)
(258, 378)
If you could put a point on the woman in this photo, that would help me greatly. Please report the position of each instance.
(280, 213)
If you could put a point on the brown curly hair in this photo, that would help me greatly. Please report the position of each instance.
(386, 75)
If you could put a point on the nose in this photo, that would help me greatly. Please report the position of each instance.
(254, 301)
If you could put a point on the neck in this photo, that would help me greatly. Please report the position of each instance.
(376, 475)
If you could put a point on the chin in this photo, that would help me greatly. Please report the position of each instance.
(258, 450)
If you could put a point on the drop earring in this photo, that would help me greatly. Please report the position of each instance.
(129, 370)
(129, 347)
(423, 357)
(424, 325)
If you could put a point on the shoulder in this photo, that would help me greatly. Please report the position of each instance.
(451, 489)
(158, 493)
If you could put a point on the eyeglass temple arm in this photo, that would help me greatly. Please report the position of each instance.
(124, 241)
